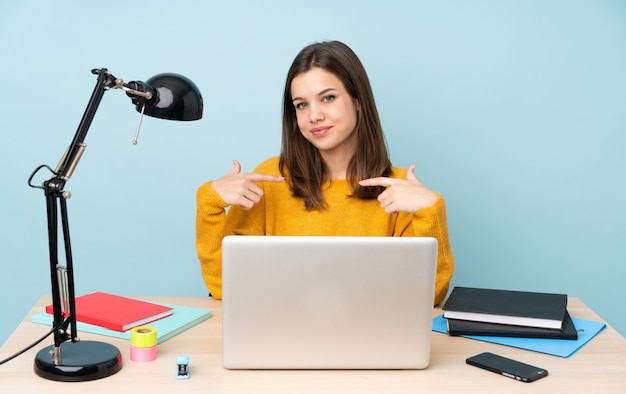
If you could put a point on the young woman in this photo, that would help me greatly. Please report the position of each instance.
(333, 176)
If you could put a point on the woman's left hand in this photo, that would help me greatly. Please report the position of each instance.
(402, 195)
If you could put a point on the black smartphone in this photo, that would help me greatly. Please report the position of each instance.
(507, 367)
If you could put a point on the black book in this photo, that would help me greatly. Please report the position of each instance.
(467, 327)
(518, 308)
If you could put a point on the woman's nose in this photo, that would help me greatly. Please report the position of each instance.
(315, 113)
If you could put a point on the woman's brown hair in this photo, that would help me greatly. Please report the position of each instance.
(300, 161)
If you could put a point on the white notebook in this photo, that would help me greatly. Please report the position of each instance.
(327, 302)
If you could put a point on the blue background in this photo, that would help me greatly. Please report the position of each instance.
(514, 110)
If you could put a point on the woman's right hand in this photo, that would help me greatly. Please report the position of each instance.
(238, 188)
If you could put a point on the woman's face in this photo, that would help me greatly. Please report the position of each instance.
(325, 111)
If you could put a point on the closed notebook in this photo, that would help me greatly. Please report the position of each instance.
(182, 319)
(116, 312)
(521, 308)
(467, 327)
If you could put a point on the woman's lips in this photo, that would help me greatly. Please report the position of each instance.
(320, 131)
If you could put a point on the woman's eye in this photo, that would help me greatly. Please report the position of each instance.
(300, 105)
(329, 98)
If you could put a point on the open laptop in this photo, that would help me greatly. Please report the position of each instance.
(327, 302)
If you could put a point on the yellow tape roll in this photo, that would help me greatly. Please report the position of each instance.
(143, 336)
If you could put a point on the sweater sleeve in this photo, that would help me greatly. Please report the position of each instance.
(432, 222)
(210, 229)
(213, 222)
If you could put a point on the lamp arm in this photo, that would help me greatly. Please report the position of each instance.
(62, 277)
(70, 158)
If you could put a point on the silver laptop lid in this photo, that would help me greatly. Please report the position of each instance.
(327, 302)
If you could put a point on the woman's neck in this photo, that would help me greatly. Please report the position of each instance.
(337, 165)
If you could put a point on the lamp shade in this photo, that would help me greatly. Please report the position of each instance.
(176, 98)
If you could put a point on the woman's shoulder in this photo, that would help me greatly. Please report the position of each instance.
(269, 166)
(398, 172)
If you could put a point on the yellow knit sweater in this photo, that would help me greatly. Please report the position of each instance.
(279, 213)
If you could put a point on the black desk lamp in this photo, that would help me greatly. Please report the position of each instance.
(166, 96)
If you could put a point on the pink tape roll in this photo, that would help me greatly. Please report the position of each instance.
(143, 354)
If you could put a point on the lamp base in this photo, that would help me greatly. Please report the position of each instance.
(80, 361)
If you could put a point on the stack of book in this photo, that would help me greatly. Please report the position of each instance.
(114, 316)
(508, 313)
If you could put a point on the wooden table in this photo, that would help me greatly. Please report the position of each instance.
(599, 367)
